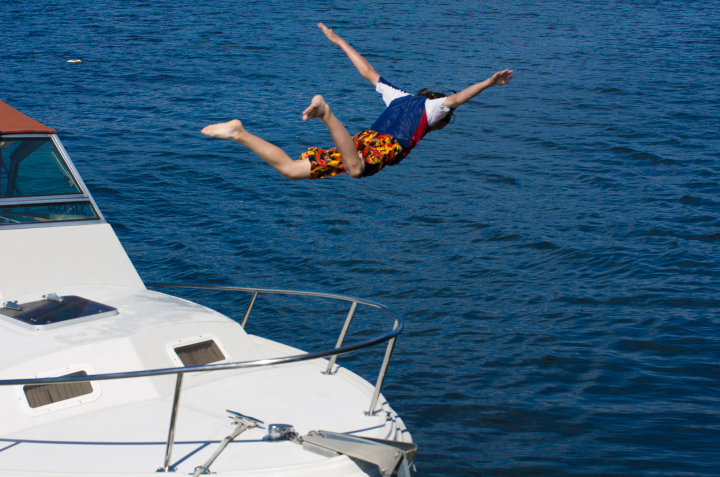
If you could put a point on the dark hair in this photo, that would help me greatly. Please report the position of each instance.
(433, 95)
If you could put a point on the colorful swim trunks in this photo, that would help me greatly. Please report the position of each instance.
(378, 151)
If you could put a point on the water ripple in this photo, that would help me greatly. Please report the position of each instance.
(554, 251)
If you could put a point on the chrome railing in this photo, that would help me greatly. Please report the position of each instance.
(333, 353)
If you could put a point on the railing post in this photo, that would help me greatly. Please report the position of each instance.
(341, 338)
(249, 309)
(381, 376)
(173, 419)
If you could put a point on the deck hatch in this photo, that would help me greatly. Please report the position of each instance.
(198, 354)
(43, 394)
(51, 313)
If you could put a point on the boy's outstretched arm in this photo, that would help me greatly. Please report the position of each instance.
(364, 68)
(498, 79)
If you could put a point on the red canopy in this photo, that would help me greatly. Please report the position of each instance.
(13, 121)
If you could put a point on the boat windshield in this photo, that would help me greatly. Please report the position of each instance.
(44, 213)
(33, 167)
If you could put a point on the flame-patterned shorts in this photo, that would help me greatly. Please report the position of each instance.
(378, 151)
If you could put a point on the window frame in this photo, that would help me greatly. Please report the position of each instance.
(83, 196)
(64, 202)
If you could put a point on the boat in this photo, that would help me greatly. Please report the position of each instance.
(103, 374)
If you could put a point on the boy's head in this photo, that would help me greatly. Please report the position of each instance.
(426, 93)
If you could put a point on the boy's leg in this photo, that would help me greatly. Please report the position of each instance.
(273, 155)
(276, 157)
(352, 160)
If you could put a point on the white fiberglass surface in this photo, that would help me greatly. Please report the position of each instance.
(162, 318)
(38, 261)
(131, 438)
(125, 430)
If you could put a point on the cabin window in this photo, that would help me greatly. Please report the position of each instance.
(198, 354)
(44, 394)
(33, 167)
(38, 213)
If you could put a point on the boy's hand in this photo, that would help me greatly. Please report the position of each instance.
(501, 77)
(329, 33)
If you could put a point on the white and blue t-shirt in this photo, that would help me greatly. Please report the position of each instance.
(407, 117)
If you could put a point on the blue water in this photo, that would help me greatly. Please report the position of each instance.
(554, 251)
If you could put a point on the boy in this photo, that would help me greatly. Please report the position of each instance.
(406, 120)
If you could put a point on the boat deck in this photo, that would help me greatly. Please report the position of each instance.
(131, 439)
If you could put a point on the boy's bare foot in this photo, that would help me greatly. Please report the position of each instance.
(318, 109)
(230, 130)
